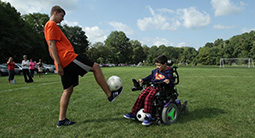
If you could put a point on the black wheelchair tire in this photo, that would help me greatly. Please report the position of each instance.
(170, 114)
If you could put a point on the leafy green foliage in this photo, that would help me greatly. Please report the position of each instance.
(119, 46)
(77, 38)
(16, 36)
(24, 34)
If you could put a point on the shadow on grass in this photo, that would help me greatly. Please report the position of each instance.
(199, 114)
(100, 120)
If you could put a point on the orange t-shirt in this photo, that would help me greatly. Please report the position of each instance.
(65, 49)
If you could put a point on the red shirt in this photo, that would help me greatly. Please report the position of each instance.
(11, 66)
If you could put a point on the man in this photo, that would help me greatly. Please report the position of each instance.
(69, 64)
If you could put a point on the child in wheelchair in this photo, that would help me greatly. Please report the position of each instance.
(162, 74)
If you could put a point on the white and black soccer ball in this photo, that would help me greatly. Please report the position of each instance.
(140, 115)
(114, 83)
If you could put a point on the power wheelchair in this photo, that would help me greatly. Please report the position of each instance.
(166, 106)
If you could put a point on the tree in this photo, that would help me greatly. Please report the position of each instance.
(145, 51)
(120, 47)
(152, 54)
(138, 53)
(37, 22)
(252, 51)
(93, 53)
(162, 50)
(173, 53)
(16, 36)
(188, 55)
(77, 38)
(203, 56)
(103, 53)
(210, 45)
(217, 43)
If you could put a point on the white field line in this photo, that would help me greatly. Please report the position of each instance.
(27, 87)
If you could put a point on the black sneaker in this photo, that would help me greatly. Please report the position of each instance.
(65, 122)
(115, 94)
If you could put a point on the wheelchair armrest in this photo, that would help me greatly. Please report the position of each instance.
(136, 84)
(159, 84)
(136, 88)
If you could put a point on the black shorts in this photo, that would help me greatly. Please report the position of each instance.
(79, 66)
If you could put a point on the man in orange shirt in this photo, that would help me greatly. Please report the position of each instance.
(70, 65)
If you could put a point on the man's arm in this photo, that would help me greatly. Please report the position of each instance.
(54, 56)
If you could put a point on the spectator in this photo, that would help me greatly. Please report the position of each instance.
(11, 65)
(32, 67)
(40, 68)
(25, 67)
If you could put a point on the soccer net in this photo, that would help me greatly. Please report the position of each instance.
(236, 62)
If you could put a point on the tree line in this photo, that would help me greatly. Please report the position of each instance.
(24, 34)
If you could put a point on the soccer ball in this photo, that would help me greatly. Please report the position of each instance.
(114, 83)
(140, 115)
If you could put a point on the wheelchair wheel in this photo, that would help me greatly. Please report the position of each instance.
(170, 114)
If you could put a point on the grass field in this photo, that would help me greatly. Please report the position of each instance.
(221, 104)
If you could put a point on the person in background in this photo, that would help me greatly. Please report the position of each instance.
(25, 67)
(40, 68)
(32, 67)
(11, 66)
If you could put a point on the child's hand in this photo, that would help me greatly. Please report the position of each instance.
(141, 81)
(167, 81)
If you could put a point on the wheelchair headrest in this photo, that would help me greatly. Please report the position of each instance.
(170, 62)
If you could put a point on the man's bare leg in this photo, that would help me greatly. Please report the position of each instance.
(99, 76)
(64, 102)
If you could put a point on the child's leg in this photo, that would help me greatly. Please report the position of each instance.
(99, 76)
(149, 99)
(64, 102)
(140, 101)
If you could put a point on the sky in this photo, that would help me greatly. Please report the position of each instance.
(177, 23)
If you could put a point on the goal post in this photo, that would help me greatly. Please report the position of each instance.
(237, 62)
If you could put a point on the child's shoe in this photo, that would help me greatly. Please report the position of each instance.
(147, 120)
(130, 116)
(65, 122)
(115, 94)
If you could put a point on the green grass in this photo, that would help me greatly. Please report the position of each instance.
(221, 104)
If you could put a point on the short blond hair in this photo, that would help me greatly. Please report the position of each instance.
(58, 9)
